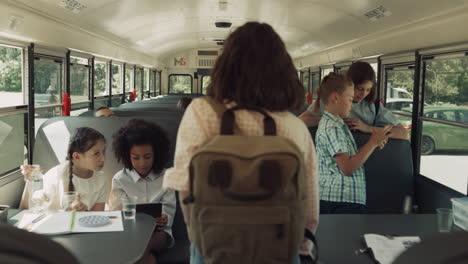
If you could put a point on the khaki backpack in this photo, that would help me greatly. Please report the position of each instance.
(247, 197)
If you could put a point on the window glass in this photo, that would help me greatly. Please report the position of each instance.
(13, 152)
(138, 80)
(116, 79)
(158, 83)
(305, 80)
(11, 65)
(151, 83)
(48, 89)
(100, 79)
(315, 84)
(343, 70)
(206, 81)
(146, 81)
(444, 147)
(180, 83)
(400, 86)
(79, 83)
(326, 71)
(128, 80)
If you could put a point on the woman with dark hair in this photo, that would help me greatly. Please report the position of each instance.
(367, 114)
(254, 70)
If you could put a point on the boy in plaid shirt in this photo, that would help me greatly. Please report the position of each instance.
(342, 178)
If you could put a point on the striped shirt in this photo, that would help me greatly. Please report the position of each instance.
(333, 137)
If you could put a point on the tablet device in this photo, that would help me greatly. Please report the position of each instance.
(152, 209)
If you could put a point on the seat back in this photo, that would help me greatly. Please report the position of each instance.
(52, 138)
(21, 247)
(389, 175)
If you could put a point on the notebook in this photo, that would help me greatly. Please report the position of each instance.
(385, 249)
(58, 223)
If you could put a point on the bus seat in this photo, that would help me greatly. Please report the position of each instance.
(21, 247)
(180, 253)
(389, 175)
(439, 249)
(51, 142)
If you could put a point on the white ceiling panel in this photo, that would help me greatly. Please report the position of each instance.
(162, 27)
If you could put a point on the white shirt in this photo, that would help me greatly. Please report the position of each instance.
(55, 182)
(148, 190)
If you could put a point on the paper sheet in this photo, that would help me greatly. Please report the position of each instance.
(387, 249)
(59, 222)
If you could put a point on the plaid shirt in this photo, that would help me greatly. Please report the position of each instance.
(333, 137)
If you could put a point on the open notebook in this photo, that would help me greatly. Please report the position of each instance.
(385, 249)
(67, 222)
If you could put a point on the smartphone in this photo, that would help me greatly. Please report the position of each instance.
(152, 209)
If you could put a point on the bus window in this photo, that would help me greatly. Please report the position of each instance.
(100, 79)
(326, 71)
(79, 80)
(11, 88)
(158, 83)
(206, 81)
(305, 80)
(180, 83)
(48, 89)
(315, 84)
(444, 147)
(128, 79)
(13, 151)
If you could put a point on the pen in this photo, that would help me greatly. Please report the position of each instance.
(113, 217)
(39, 218)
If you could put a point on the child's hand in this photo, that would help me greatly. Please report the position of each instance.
(78, 205)
(27, 170)
(379, 136)
(357, 124)
(161, 222)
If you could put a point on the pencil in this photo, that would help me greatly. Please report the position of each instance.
(72, 223)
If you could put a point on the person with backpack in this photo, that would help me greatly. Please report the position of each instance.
(240, 151)
(367, 112)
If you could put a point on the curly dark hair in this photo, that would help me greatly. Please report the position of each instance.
(141, 132)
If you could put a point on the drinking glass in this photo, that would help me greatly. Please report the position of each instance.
(444, 219)
(68, 199)
(129, 206)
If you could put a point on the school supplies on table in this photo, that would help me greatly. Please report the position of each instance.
(384, 249)
(71, 222)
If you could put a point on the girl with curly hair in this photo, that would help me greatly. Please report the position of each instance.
(143, 148)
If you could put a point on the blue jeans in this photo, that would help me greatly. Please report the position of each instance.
(196, 257)
(327, 207)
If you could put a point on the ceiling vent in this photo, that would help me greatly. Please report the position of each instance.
(223, 24)
(207, 53)
(72, 5)
(378, 13)
(206, 63)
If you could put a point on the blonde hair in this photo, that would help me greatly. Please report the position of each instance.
(333, 82)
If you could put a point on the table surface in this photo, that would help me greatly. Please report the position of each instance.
(109, 247)
(339, 236)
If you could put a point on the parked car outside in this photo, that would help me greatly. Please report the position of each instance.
(436, 136)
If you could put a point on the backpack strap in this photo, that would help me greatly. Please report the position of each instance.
(228, 120)
(309, 235)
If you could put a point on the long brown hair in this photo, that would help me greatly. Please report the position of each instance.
(255, 69)
(83, 140)
(333, 82)
(360, 72)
